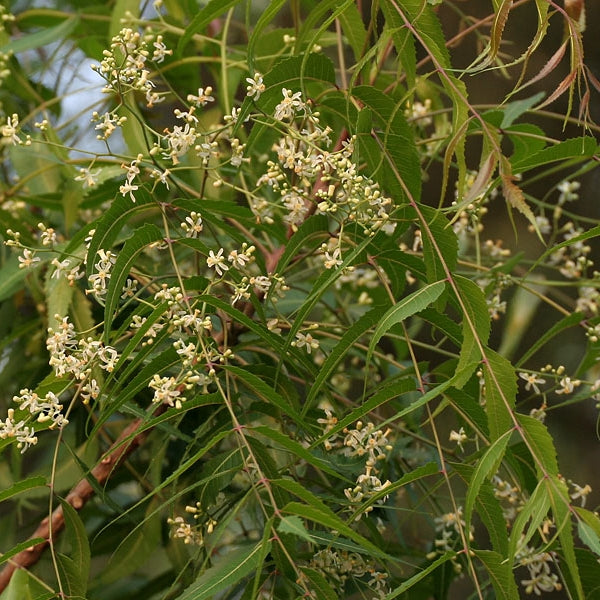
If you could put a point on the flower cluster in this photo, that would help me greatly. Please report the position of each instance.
(338, 567)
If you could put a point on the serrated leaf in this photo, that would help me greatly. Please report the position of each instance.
(350, 337)
(541, 445)
(319, 584)
(500, 393)
(19, 548)
(400, 173)
(142, 237)
(225, 573)
(412, 304)
(295, 526)
(78, 563)
(135, 548)
(513, 110)
(580, 148)
(23, 486)
(421, 574)
(535, 511)
(501, 574)
(486, 465)
(45, 36)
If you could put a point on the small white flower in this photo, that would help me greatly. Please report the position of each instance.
(256, 86)
(128, 188)
(532, 380)
(217, 261)
(28, 259)
(203, 97)
(305, 340)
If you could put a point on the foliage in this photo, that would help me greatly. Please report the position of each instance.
(260, 338)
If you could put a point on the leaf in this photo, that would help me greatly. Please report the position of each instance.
(486, 465)
(589, 536)
(45, 36)
(333, 522)
(475, 326)
(556, 489)
(319, 584)
(421, 574)
(108, 227)
(296, 449)
(76, 567)
(295, 526)
(142, 237)
(400, 173)
(11, 277)
(263, 390)
(535, 511)
(541, 445)
(514, 110)
(501, 574)
(412, 304)
(350, 337)
(267, 15)
(440, 244)
(226, 572)
(580, 148)
(489, 509)
(19, 548)
(500, 393)
(22, 486)
(135, 548)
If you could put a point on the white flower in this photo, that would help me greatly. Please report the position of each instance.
(291, 103)
(28, 259)
(193, 225)
(217, 261)
(9, 130)
(532, 380)
(256, 86)
(203, 97)
(128, 188)
(88, 177)
(459, 437)
(305, 341)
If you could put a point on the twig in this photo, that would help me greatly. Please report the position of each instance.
(78, 496)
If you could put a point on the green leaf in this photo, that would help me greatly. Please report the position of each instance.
(556, 489)
(580, 148)
(295, 526)
(76, 567)
(108, 227)
(421, 574)
(333, 522)
(11, 277)
(500, 393)
(135, 549)
(489, 509)
(22, 486)
(440, 244)
(399, 162)
(319, 584)
(142, 237)
(501, 574)
(296, 449)
(475, 326)
(350, 337)
(45, 36)
(268, 14)
(589, 528)
(486, 465)
(225, 573)
(412, 304)
(19, 548)
(540, 444)
(513, 110)
(535, 511)
(263, 390)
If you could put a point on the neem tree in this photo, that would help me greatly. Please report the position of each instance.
(247, 310)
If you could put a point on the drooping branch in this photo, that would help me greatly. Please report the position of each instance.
(79, 496)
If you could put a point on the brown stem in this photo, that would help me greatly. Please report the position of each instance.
(78, 496)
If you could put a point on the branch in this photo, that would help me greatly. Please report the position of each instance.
(78, 496)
